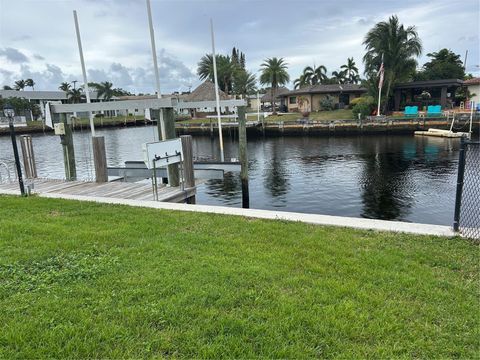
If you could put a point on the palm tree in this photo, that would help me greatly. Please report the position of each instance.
(75, 95)
(274, 72)
(244, 82)
(64, 86)
(315, 75)
(351, 71)
(19, 85)
(105, 90)
(301, 82)
(399, 46)
(339, 77)
(30, 83)
(225, 70)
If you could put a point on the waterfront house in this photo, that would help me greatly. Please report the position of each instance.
(266, 99)
(308, 98)
(424, 93)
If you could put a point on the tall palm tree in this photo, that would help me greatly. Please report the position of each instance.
(64, 86)
(339, 77)
(105, 90)
(315, 75)
(351, 71)
(20, 85)
(399, 47)
(75, 95)
(244, 82)
(274, 73)
(301, 82)
(30, 83)
(225, 70)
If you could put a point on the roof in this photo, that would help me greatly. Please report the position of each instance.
(41, 95)
(474, 81)
(429, 83)
(327, 89)
(268, 94)
(205, 92)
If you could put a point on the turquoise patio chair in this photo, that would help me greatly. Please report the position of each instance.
(434, 110)
(411, 111)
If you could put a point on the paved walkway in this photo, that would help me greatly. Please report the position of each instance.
(358, 223)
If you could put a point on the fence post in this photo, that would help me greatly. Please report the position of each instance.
(100, 159)
(458, 196)
(28, 157)
(169, 122)
(188, 172)
(68, 150)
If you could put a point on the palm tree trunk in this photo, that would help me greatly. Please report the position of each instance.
(273, 100)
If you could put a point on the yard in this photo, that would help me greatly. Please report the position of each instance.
(84, 280)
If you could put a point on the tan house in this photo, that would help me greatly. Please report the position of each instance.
(266, 99)
(473, 86)
(308, 97)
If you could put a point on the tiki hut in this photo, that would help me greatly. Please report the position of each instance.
(204, 92)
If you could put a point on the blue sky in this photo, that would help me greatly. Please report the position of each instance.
(37, 37)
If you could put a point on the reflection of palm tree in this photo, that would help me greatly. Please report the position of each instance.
(276, 175)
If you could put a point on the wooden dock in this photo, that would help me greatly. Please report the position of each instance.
(114, 190)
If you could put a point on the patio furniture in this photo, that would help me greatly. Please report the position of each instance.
(411, 111)
(434, 111)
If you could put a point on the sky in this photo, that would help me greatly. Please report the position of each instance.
(37, 37)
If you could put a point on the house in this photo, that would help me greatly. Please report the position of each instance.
(267, 99)
(308, 98)
(204, 92)
(473, 86)
(424, 93)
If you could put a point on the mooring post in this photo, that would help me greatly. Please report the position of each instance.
(100, 159)
(68, 151)
(155, 114)
(458, 195)
(28, 157)
(169, 121)
(188, 173)
(242, 150)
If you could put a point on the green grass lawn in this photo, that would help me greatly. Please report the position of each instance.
(84, 280)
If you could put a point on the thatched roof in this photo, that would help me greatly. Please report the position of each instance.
(267, 97)
(205, 92)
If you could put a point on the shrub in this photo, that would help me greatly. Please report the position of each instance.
(326, 103)
(305, 114)
(363, 105)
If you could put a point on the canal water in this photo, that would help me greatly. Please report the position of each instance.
(396, 177)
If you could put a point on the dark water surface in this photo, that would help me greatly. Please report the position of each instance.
(384, 177)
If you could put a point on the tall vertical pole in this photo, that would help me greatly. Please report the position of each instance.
(242, 151)
(217, 97)
(155, 68)
(472, 105)
(380, 88)
(84, 72)
(15, 155)
(458, 194)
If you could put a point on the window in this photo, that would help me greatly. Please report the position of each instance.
(293, 100)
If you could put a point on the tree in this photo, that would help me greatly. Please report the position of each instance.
(104, 90)
(76, 95)
(6, 87)
(64, 86)
(339, 77)
(274, 72)
(20, 85)
(444, 64)
(399, 47)
(315, 75)
(244, 82)
(121, 92)
(30, 83)
(301, 82)
(225, 70)
(351, 71)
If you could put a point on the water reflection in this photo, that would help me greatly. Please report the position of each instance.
(386, 177)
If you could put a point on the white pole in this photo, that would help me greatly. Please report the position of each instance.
(82, 61)
(379, 97)
(155, 66)
(472, 105)
(217, 98)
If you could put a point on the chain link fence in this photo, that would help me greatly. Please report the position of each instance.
(467, 202)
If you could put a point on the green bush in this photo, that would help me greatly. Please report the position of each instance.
(326, 103)
(363, 105)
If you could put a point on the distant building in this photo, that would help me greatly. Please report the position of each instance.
(308, 98)
(267, 99)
